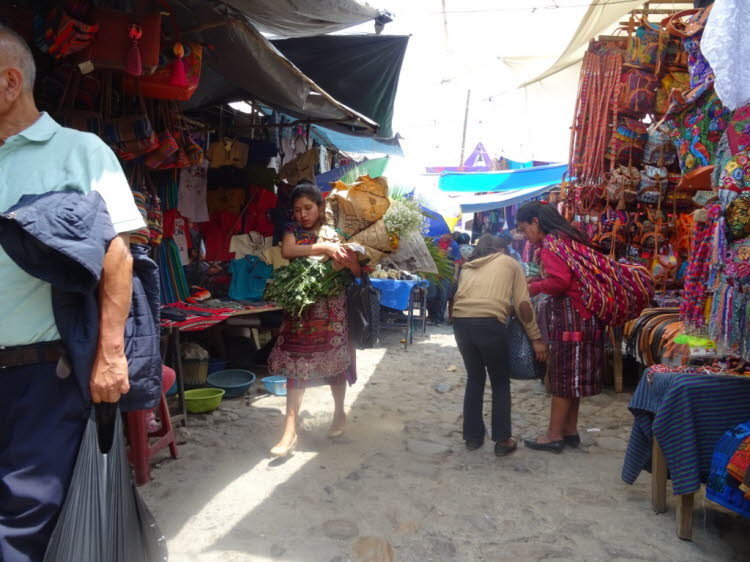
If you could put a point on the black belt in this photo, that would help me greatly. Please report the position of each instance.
(34, 354)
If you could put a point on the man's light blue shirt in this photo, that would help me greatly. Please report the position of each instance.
(47, 157)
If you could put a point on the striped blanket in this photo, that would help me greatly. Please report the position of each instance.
(614, 292)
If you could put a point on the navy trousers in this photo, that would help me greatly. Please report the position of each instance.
(42, 419)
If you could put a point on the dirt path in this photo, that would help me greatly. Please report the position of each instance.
(401, 479)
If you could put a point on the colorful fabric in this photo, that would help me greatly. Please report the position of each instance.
(695, 293)
(688, 414)
(735, 177)
(315, 347)
(738, 132)
(699, 68)
(697, 126)
(613, 292)
(740, 461)
(202, 317)
(721, 486)
(174, 285)
(576, 343)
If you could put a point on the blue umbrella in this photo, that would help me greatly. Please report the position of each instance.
(436, 225)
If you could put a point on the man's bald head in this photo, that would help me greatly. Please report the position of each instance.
(14, 52)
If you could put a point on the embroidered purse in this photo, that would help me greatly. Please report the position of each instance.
(637, 92)
(643, 46)
(628, 142)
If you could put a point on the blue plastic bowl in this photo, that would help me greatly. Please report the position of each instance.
(275, 385)
(172, 389)
(234, 382)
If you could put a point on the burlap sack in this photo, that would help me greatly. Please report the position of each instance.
(374, 236)
(412, 256)
(366, 199)
(348, 224)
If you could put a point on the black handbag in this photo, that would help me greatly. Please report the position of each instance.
(363, 310)
(522, 359)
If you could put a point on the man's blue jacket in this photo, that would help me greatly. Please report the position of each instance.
(61, 237)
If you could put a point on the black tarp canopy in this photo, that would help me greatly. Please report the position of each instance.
(361, 71)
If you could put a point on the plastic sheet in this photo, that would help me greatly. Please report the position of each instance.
(104, 518)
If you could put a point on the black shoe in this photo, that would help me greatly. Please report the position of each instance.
(504, 450)
(474, 444)
(553, 447)
(573, 441)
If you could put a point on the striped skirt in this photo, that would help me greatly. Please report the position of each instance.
(576, 359)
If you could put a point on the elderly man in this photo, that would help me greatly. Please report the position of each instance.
(42, 416)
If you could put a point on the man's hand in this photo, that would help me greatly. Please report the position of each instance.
(109, 377)
(540, 350)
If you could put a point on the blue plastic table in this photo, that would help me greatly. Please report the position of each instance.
(397, 295)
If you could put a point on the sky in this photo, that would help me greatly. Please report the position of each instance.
(488, 47)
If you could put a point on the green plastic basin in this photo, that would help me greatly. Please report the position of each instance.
(202, 400)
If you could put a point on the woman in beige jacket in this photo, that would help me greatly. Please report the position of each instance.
(491, 286)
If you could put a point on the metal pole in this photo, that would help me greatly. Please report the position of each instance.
(466, 122)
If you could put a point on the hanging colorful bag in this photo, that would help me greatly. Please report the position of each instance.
(696, 123)
(660, 149)
(688, 26)
(637, 92)
(628, 141)
(673, 80)
(643, 46)
(59, 34)
(177, 77)
(613, 292)
(115, 46)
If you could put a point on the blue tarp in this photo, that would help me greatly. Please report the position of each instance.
(525, 178)
(499, 199)
(358, 144)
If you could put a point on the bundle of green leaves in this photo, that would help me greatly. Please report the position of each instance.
(304, 282)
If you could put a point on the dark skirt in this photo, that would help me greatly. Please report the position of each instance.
(576, 361)
(315, 349)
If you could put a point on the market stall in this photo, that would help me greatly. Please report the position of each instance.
(211, 149)
(657, 178)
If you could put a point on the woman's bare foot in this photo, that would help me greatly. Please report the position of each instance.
(337, 426)
(286, 446)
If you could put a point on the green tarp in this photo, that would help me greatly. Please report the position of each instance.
(360, 71)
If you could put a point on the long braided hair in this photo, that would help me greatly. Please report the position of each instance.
(550, 221)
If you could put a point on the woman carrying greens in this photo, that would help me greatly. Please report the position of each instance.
(314, 348)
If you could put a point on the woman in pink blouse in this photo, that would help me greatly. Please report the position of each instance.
(576, 358)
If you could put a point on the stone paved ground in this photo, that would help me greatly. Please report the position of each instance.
(400, 484)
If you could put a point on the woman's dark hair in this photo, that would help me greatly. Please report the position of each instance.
(308, 190)
(550, 221)
(486, 246)
(464, 239)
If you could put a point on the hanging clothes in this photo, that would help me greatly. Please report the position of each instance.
(193, 191)
(257, 217)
